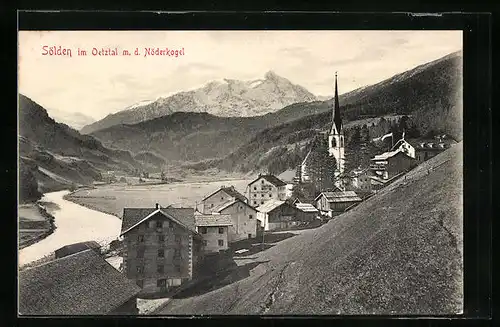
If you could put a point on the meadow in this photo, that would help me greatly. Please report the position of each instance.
(112, 198)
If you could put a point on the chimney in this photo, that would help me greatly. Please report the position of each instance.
(157, 206)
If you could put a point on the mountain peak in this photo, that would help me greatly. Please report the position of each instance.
(271, 75)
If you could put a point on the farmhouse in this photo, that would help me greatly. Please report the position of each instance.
(276, 214)
(214, 231)
(161, 246)
(336, 202)
(221, 196)
(389, 164)
(307, 211)
(428, 148)
(265, 188)
(77, 247)
(243, 217)
(360, 180)
(78, 284)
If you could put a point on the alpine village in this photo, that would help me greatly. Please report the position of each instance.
(335, 186)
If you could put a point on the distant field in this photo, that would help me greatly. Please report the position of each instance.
(112, 199)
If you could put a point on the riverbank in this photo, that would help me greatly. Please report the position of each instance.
(35, 223)
(75, 223)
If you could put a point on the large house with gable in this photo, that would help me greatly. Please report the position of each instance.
(162, 246)
(228, 201)
(219, 197)
(264, 188)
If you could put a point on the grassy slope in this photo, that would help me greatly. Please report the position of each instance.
(397, 253)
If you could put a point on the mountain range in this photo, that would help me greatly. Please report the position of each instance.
(226, 98)
(243, 143)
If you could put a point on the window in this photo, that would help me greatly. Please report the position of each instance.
(261, 202)
(161, 282)
(152, 224)
(262, 181)
(250, 216)
(161, 253)
(160, 269)
(221, 242)
(140, 238)
(270, 195)
(221, 198)
(177, 267)
(140, 253)
(205, 242)
(254, 202)
(249, 235)
(255, 195)
(178, 238)
(221, 230)
(140, 283)
(140, 269)
(212, 205)
(177, 254)
(170, 224)
(159, 224)
(255, 188)
(262, 195)
(161, 238)
(203, 230)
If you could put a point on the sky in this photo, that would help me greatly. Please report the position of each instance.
(99, 85)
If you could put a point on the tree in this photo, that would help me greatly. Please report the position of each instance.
(321, 166)
(162, 175)
(355, 137)
(365, 134)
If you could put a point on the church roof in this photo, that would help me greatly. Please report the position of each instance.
(336, 118)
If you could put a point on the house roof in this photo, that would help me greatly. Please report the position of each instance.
(431, 144)
(227, 204)
(269, 206)
(306, 207)
(76, 247)
(344, 196)
(79, 284)
(132, 217)
(213, 220)
(271, 179)
(231, 191)
(386, 155)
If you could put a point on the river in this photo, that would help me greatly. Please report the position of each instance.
(74, 223)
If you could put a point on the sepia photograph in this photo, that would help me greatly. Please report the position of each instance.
(240, 172)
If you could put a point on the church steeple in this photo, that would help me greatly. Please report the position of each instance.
(336, 137)
(336, 118)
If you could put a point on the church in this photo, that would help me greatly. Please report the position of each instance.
(335, 141)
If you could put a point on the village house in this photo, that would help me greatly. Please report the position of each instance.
(217, 198)
(243, 217)
(334, 203)
(82, 283)
(77, 247)
(213, 229)
(276, 214)
(360, 180)
(162, 246)
(265, 188)
(392, 163)
(423, 149)
(307, 211)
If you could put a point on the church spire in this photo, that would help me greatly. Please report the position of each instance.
(336, 119)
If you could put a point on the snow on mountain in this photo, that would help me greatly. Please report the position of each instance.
(225, 98)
